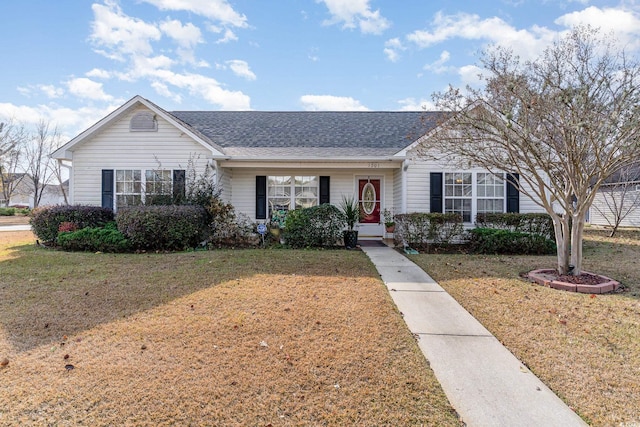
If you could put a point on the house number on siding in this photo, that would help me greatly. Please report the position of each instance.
(374, 165)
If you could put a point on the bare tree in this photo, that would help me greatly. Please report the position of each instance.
(12, 139)
(57, 173)
(37, 150)
(564, 122)
(619, 197)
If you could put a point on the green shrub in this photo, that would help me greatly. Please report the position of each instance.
(163, 227)
(317, 226)
(102, 239)
(45, 221)
(7, 211)
(495, 241)
(532, 223)
(419, 230)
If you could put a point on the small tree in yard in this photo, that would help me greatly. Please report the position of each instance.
(619, 197)
(564, 122)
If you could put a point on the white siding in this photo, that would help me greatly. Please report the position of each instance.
(599, 211)
(118, 148)
(224, 183)
(418, 186)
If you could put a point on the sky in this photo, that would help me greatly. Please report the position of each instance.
(71, 62)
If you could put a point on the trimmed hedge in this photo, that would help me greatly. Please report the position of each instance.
(317, 226)
(45, 221)
(495, 241)
(7, 211)
(103, 239)
(532, 223)
(163, 227)
(419, 230)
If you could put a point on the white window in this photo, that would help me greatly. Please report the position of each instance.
(458, 194)
(128, 188)
(490, 193)
(471, 193)
(291, 192)
(133, 187)
(157, 182)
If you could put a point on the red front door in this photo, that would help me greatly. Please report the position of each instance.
(369, 200)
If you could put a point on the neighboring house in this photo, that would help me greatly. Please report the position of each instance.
(23, 194)
(265, 161)
(618, 199)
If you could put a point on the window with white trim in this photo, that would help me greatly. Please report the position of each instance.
(157, 182)
(128, 187)
(135, 187)
(490, 193)
(458, 194)
(291, 192)
(471, 193)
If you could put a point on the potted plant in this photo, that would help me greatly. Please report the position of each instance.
(389, 222)
(351, 212)
(278, 218)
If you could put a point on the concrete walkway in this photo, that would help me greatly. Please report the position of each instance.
(15, 227)
(484, 382)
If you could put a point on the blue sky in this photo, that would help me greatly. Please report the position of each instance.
(71, 62)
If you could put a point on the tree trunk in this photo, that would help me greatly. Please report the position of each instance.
(561, 230)
(577, 233)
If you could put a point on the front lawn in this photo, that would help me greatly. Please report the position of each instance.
(252, 337)
(586, 348)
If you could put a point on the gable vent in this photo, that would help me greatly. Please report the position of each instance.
(143, 122)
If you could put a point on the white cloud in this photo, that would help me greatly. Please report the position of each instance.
(164, 90)
(356, 13)
(117, 35)
(157, 69)
(470, 75)
(85, 88)
(229, 36)
(625, 24)
(439, 66)
(218, 10)
(98, 73)
(411, 104)
(187, 36)
(527, 43)
(331, 103)
(241, 68)
(392, 47)
(70, 121)
(51, 91)
(207, 88)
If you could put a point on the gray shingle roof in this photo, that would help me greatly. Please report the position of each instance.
(315, 134)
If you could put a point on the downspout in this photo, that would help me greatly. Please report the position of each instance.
(403, 202)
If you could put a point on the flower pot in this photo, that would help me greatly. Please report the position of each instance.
(275, 232)
(390, 228)
(350, 238)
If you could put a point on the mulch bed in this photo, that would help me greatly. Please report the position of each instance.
(587, 283)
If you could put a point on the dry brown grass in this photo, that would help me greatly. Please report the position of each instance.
(262, 337)
(587, 349)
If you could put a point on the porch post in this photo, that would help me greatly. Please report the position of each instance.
(403, 192)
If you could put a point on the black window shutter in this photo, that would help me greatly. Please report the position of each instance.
(261, 197)
(513, 195)
(179, 186)
(435, 180)
(107, 188)
(325, 195)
